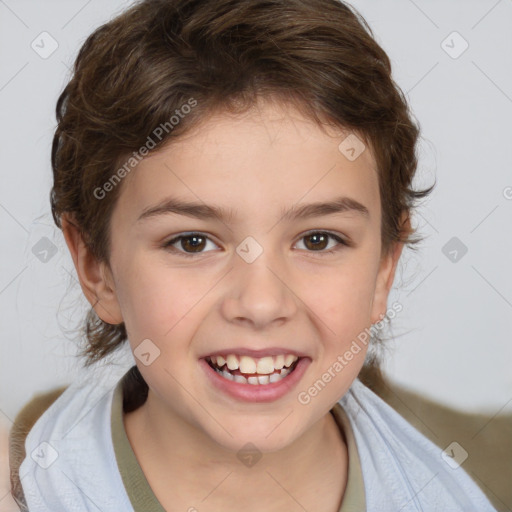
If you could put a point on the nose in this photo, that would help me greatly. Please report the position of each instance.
(259, 293)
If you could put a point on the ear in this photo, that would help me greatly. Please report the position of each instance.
(386, 276)
(95, 277)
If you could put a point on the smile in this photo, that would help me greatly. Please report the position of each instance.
(248, 370)
(254, 380)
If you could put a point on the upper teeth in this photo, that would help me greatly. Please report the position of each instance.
(246, 364)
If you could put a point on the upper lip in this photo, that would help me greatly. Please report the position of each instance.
(256, 354)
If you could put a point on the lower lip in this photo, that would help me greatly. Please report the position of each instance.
(256, 392)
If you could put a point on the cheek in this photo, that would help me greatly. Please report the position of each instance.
(345, 295)
(156, 302)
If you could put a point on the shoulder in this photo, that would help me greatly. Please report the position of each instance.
(66, 432)
(399, 455)
(23, 422)
(485, 438)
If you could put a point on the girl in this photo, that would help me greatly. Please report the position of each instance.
(233, 181)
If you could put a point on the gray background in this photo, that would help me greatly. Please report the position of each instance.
(452, 339)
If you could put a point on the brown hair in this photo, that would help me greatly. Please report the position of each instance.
(139, 69)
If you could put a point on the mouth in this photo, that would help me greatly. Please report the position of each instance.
(254, 380)
(256, 372)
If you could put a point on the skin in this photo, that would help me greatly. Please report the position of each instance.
(293, 295)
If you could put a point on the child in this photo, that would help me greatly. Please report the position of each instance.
(234, 183)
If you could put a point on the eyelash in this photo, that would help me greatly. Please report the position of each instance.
(168, 244)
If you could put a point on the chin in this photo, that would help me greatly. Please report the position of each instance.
(266, 435)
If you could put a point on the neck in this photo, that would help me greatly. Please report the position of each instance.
(310, 471)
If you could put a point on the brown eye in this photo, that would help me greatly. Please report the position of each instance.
(319, 241)
(188, 245)
(193, 243)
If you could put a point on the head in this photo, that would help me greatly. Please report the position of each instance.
(232, 105)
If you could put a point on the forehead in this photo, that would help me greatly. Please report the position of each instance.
(254, 164)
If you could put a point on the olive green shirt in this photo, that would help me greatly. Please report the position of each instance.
(144, 500)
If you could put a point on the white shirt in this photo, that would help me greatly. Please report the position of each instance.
(71, 466)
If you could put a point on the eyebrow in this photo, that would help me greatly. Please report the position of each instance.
(203, 211)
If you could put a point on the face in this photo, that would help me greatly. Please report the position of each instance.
(248, 269)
